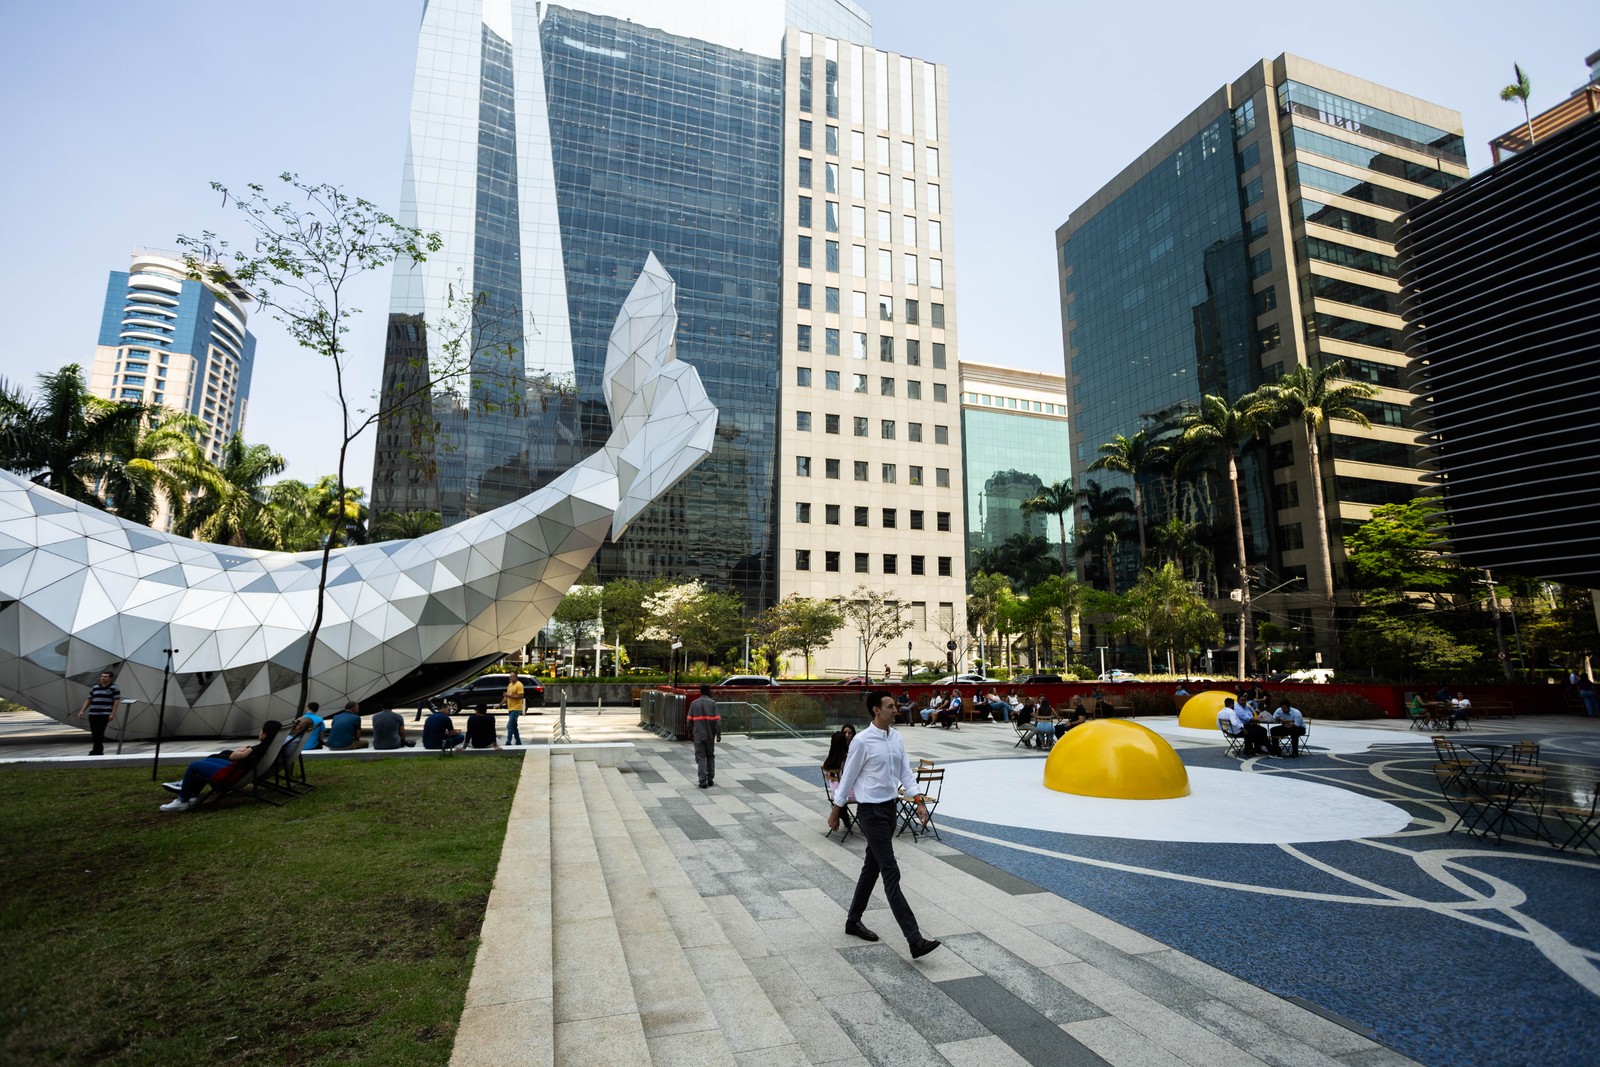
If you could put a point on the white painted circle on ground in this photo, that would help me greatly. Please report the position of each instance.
(1232, 806)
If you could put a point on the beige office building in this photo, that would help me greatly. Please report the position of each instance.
(870, 475)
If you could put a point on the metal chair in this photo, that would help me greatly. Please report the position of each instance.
(1233, 739)
(930, 781)
(847, 818)
(1581, 822)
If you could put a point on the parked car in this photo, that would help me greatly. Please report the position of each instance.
(858, 679)
(1310, 676)
(1118, 675)
(490, 689)
(965, 679)
(746, 681)
(1041, 679)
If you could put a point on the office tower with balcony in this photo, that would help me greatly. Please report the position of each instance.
(172, 340)
(1255, 237)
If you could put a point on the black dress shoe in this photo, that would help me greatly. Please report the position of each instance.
(858, 930)
(922, 948)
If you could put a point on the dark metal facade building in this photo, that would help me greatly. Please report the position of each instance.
(1502, 293)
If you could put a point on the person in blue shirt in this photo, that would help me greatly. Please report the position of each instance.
(345, 730)
(1290, 724)
(313, 726)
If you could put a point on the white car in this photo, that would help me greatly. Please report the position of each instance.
(964, 679)
(1117, 675)
(1311, 676)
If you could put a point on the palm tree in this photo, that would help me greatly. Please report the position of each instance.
(1309, 395)
(1520, 89)
(1057, 500)
(162, 459)
(231, 507)
(1105, 523)
(66, 438)
(1134, 456)
(398, 525)
(1225, 427)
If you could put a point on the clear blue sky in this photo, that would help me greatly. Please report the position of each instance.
(117, 117)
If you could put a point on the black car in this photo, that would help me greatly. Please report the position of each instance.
(1042, 679)
(490, 689)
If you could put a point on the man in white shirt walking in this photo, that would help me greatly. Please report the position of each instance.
(875, 771)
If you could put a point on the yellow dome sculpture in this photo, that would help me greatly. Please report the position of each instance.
(1200, 711)
(1118, 759)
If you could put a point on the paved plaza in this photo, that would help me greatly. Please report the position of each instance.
(637, 918)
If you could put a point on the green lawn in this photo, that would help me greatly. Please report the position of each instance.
(341, 927)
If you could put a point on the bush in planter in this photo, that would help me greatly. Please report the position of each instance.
(1334, 705)
(1146, 701)
(798, 709)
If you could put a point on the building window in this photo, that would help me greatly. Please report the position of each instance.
(940, 393)
(886, 387)
(891, 564)
(1268, 338)
(935, 236)
(942, 522)
(885, 265)
(908, 230)
(936, 274)
(886, 349)
(802, 466)
(858, 383)
(886, 429)
(858, 261)
(802, 559)
(803, 252)
(888, 473)
(830, 216)
(831, 177)
(944, 566)
(858, 346)
(803, 296)
(913, 477)
(830, 514)
(885, 227)
(1255, 228)
(802, 512)
(1291, 536)
(941, 434)
(1281, 454)
(913, 352)
(830, 562)
(830, 380)
(890, 517)
(831, 296)
(863, 516)
(908, 193)
(830, 423)
(916, 519)
(861, 563)
(858, 304)
(860, 466)
(1286, 495)
(802, 376)
(910, 259)
(858, 183)
(1249, 158)
(831, 249)
(1266, 300)
(830, 341)
(1252, 192)
(805, 212)
(936, 316)
(919, 564)
(941, 477)
(938, 356)
(913, 431)
(802, 420)
(802, 337)
(913, 390)
(805, 135)
(858, 221)
(830, 469)
(832, 144)
(885, 309)
(1260, 263)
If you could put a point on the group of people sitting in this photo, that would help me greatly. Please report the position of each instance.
(947, 709)
(343, 731)
(1453, 711)
(1248, 720)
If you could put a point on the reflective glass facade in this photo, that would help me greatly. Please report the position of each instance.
(1010, 457)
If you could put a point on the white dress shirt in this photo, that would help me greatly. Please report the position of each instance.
(1226, 722)
(876, 768)
(1290, 716)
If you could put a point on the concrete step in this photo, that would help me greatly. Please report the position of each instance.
(679, 1024)
(596, 1016)
(508, 1018)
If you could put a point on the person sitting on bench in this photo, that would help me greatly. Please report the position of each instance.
(439, 732)
(344, 732)
(480, 729)
(219, 769)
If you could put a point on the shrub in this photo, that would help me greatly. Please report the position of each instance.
(1147, 701)
(1335, 705)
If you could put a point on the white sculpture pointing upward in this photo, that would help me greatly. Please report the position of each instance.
(82, 591)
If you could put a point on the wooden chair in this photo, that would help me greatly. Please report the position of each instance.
(1581, 822)
(1525, 754)
(930, 782)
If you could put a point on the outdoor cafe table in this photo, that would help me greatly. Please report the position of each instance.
(1486, 753)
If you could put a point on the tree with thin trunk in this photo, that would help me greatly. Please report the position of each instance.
(305, 256)
(1226, 427)
(1312, 396)
(876, 619)
(1135, 456)
(1057, 499)
(1520, 89)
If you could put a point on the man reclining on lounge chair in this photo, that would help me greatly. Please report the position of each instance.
(219, 770)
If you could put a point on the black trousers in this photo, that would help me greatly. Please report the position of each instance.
(1256, 739)
(876, 822)
(1294, 733)
(97, 731)
(705, 761)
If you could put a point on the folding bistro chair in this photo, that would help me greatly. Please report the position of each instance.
(1233, 740)
(1581, 822)
(847, 817)
(1024, 733)
(931, 784)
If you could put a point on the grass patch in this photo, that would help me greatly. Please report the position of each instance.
(341, 927)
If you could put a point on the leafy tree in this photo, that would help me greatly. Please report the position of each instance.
(623, 600)
(1394, 551)
(1162, 611)
(305, 256)
(1411, 645)
(1520, 89)
(799, 624)
(1055, 499)
(575, 617)
(1135, 456)
(160, 461)
(307, 515)
(1107, 522)
(704, 620)
(875, 618)
(1311, 396)
(1225, 427)
(1022, 558)
(231, 507)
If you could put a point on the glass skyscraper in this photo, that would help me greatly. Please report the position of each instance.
(554, 148)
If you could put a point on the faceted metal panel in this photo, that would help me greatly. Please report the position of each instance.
(82, 591)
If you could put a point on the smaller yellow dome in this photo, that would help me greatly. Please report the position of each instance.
(1200, 711)
(1118, 759)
